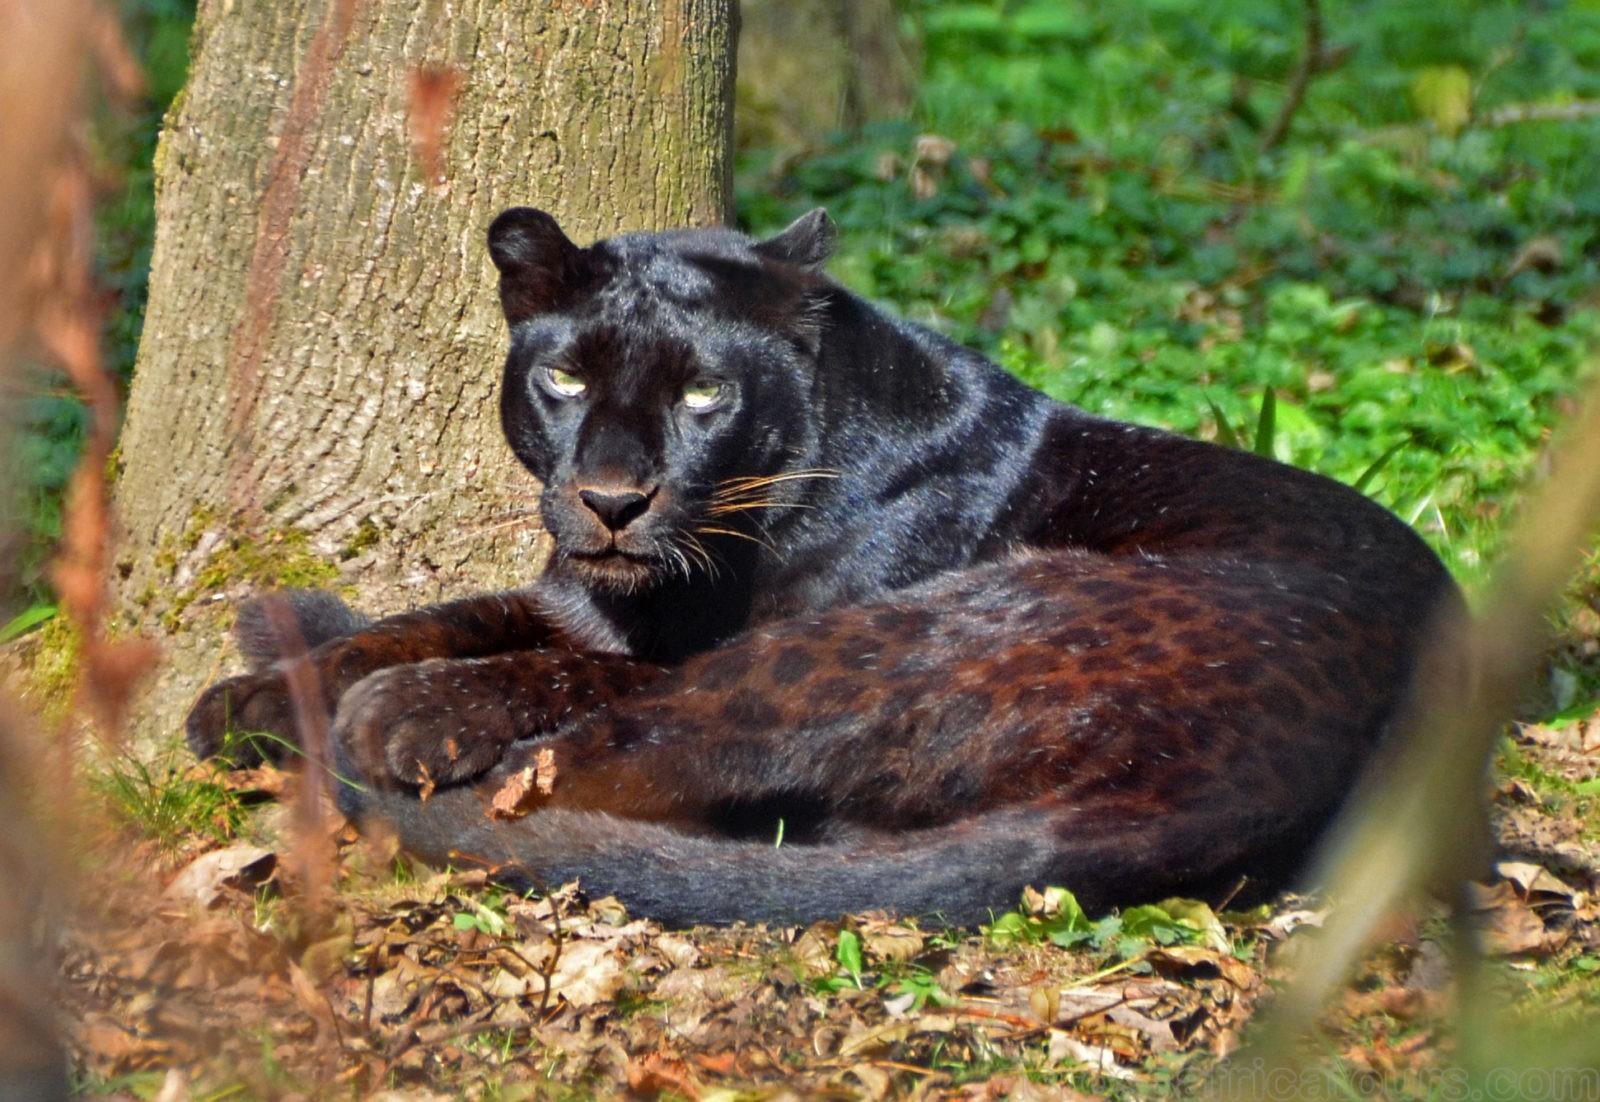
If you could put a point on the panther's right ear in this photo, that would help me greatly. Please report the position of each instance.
(540, 267)
(807, 242)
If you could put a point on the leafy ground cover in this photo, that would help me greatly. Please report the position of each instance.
(437, 984)
(1085, 195)
(1088, 192)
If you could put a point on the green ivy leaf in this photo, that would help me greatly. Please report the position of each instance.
(848, 954)
(1443, 96)
(1199, 917)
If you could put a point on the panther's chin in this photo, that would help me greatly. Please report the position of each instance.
(616, 571)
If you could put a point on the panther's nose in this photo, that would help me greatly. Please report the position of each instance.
(616, 508)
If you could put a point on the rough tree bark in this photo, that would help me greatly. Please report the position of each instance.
(810, 66)
(315, 395)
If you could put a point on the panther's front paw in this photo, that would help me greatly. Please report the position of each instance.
(424, 724)
(254, 704)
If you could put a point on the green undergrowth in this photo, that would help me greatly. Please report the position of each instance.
(1577, 801)
(1099, 213)
(49, 675)
(169, 802)
(1055, 916)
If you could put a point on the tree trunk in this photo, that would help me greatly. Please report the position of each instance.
(810, 66)
(315, 396)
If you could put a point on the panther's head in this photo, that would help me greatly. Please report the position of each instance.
(657, 383)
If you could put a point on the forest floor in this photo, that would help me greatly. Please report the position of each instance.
(265, 962)
(1401, 294)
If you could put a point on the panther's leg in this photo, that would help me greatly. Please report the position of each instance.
(446, 720)
(1129, 690)
(261, 701)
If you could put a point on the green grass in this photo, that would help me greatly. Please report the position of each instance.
(168, 804)
(1110, 229)
(1576, 800)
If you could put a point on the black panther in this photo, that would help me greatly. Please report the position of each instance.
(823, 571)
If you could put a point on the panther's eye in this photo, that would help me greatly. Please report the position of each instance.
(702, 396)
(564, 384)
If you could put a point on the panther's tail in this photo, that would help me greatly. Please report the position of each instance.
(962, 873)
(317, 617)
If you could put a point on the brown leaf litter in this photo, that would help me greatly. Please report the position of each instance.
(518, 796)
(446, 984)
(439, 982)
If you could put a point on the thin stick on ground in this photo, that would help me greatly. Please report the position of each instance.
(1512, 114)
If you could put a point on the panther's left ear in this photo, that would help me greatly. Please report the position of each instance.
(807, 242)
(540, 268)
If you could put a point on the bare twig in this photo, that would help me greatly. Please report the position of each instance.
(1512, 114)
(1315, 59)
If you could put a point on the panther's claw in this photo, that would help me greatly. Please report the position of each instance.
(411, 725)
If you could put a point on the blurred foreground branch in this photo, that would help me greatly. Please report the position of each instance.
(1422, 825)
(42, 43)
(50, 306)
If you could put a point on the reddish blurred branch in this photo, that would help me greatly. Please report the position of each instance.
(68, 317)
(312, 854)
(49, 303)
(433, 102)
(41, 46)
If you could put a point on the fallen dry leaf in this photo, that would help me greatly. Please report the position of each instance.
(513, 799)
(313, 1001)
(1064, 1048)
(1537, 884)
(658, 1072)
(587, 972)
(889, 939)
(863, 1040)
(209, 877)
(263, 780)
(1194, 960)
(1510, 927)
